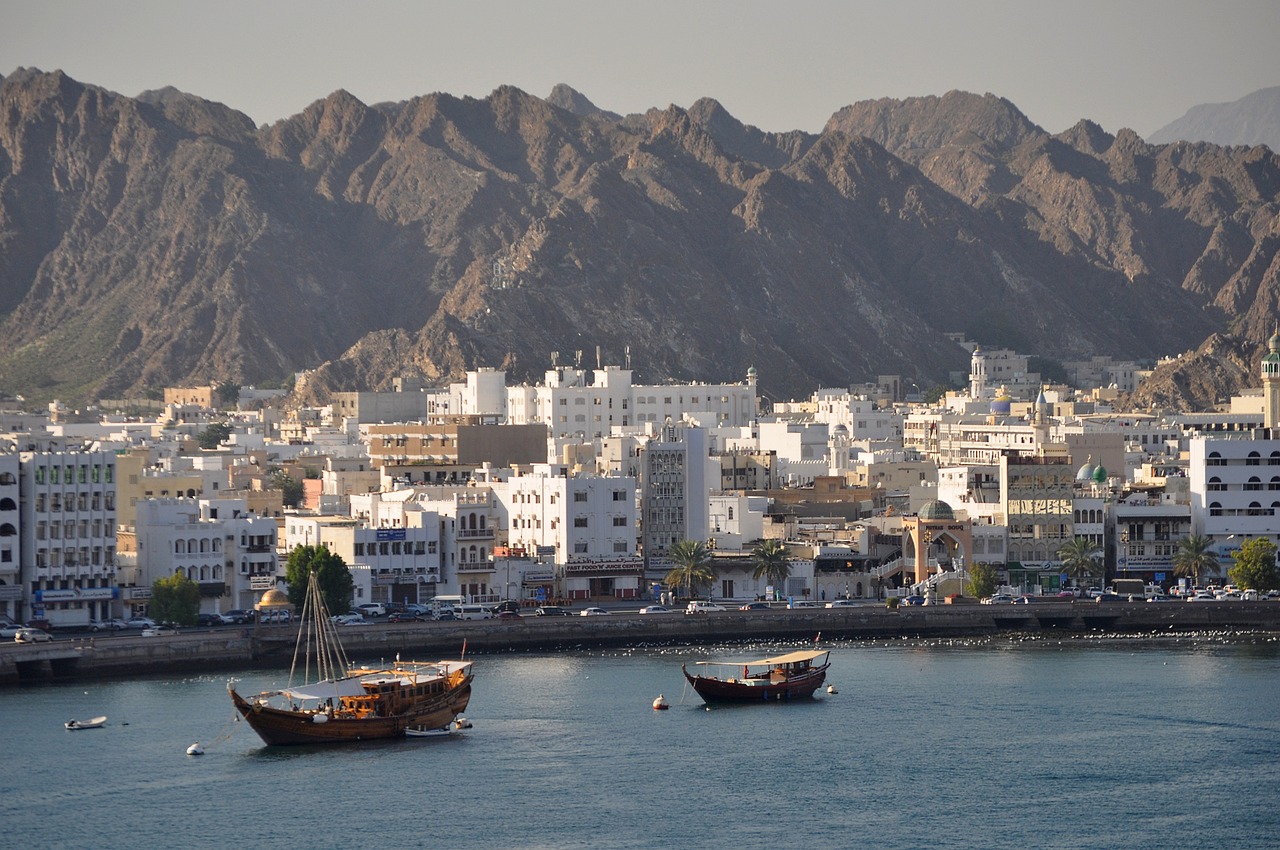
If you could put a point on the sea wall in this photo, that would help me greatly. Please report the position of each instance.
(195, 651)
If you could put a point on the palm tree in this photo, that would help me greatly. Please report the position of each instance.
(692, 568)
(771, 563)
(1080, 558)
(1195, 557)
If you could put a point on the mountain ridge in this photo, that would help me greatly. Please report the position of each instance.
(164, 239)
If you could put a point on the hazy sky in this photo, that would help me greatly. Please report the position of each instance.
(779, 65)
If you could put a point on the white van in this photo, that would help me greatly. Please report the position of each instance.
(473, 612)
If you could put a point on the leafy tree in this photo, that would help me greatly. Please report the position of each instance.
(1195, 557)
(771, 562)
(228, 394)
(212, 436)
(692, 568)
(336, 584)
(1081, 559)
(291, 488)
(1256, 566)
(935, 393)
(174, 599)
(982, 580)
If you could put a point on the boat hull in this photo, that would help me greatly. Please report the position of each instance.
(279, 727)
(715, 690)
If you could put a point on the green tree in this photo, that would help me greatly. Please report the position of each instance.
(228, 394)
(336, 584)
(213, 435)
(290, 487)
(174, 599)
(692, 568)
(1195, 557)
(771, 563)
(982, 580)
(1255, 567)
(1081, 559)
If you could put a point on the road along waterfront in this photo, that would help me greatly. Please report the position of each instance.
(83, 657)
(986, 741)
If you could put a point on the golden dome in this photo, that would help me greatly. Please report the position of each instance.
(274, 598)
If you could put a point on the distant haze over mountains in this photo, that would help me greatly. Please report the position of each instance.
(1251, 120)
(166, 240)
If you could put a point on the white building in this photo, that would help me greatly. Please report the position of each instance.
(68, 535)
(217, 543)
(11, 587)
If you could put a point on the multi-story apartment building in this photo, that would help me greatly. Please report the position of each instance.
(585, 523)
(571, 406)
(448, 452)
(68, 533)
(226, 549)
(1036, 494)
(390, 543)
(675, 485)
(11, 587)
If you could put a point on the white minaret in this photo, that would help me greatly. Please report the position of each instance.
(978, 374)
(1271, 383)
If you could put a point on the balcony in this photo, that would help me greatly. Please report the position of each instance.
(475, 567)
(475, 533)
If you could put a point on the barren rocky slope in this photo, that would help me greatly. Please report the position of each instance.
(164, 239)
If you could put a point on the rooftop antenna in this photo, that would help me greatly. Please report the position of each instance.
(577, 358)
(627, 350)
(598, 357)
(555, 359)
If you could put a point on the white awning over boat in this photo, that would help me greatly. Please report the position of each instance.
(789, 658)
(329, 689)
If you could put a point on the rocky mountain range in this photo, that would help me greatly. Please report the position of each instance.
(165, 240)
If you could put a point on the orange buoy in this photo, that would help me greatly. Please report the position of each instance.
(660, 704)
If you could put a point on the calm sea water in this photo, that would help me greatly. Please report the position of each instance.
(956, 744)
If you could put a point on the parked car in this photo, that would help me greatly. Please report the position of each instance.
(415, 608)
(445, 613)
(592, 612)
(28, 635)
(699, 606)
(140, 623)
(403, 617)
(40, 623)
(509, 615)
(506, 605)
(350, 620)
(214, 619)
(912, 600)
(552, 611)
(113, 625)
(655, 609)
(803, 603)
(843, 603)
(158, 631)
(997, 599)
(754, 606)
(373, 609)
(10, 631)
(239, 616)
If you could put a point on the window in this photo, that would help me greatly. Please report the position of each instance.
(621, 546)
(619, 495)
(580, 497)
(620, 521)
(580, 522)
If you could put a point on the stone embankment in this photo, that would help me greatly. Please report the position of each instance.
(236, 648)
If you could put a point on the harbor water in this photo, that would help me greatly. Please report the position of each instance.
(980, 743)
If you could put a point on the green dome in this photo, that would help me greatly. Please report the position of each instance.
(936, 510)
(1100, 474)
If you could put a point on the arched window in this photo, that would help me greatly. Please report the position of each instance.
(217, 544)
(7, 530)
(8, 478)
(1215, 509)
(191, 545)
(1253, 459)
(1254, 483)
(204, 544)
(1255, 509)
(179, 547)
(1274, 460)
(7, 504)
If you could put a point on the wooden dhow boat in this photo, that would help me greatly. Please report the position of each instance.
(336, 702)
(792, 676)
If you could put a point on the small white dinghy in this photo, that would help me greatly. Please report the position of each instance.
(92, 723)
(449, 729)
(195, 749)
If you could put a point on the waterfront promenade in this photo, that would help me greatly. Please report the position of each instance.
(197, 650)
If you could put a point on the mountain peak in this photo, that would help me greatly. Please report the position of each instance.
(571, 100)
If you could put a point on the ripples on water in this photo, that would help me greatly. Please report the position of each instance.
(1002, 741)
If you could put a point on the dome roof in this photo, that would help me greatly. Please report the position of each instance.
(936, 509)
(1100, 474)
(274, 598)
(1085, 473)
